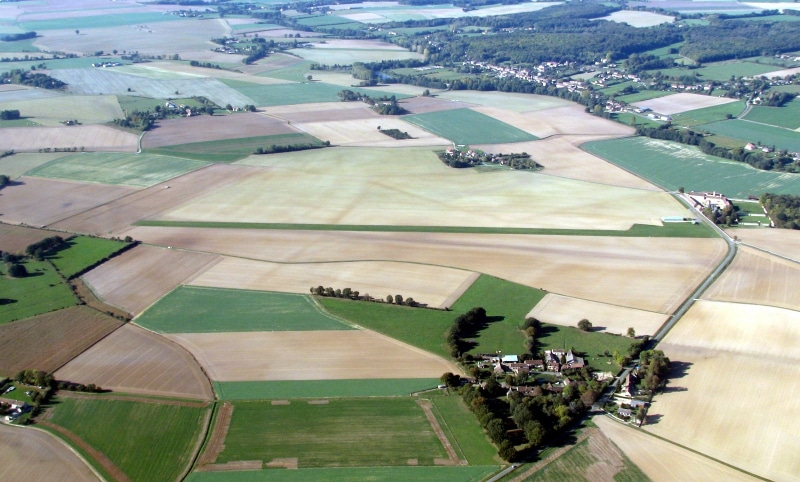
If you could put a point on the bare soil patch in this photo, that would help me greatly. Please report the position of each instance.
(216, 443)
(283, 463)
(48, 341)
(40, 202)
(759, 278)
(684, 102)
(652, 274)
(424, 105)
(89, 137)
(236, 466)
(565, 311)
(327, 355)
(357, 45)
(437, 429)
(779, 74)
(411, 280)
(185, 130)
(30, 454)
(609, 458)
(87, 296)
(141, 276)
(136, 361)
(783, 242)
(732, 359)
(318, 402)
(14, 239)
(540, 464)
(280, 402)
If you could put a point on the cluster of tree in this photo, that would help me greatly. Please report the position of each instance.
(531, 327)
(258, 51)
(653, 369)
(207, 65)
(347, 293)
(735, 39)
(61, 149)
(277, 148)
(493, 415)
(138, 120)
(726, 216)
(33, 79)
(782, 209)
(18, 36)
(777, 99)
(39, 378)
(382, 105)
(460, 159)
(395, 133)
(4, 180)
(637, 63)
(464, 327)
(45, 247)
(78, 387)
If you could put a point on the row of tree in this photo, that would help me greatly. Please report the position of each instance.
(782, 209)
(460, 159)
(350, 294)
(33, 79)
(278, 148)
(465, 326)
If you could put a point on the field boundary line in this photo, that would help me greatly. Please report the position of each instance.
(437, 429)
(101, 458)
(216, 437)
(444, 420)
(201, 438)
(771, 253)
(537, 466)
(133, 398)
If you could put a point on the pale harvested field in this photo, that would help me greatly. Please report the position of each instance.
(758, 278)
(782, 73)
(39, 202)
(23, 92)
(402, 187)
(346, 56)
(652, 274)
(424, 105)
(326, 355)
(141, 276)
(389, 89)
(638, 19)
(184, 130)
(31, 454)
(187, 70)
(375, 277)
(561, 157)
(22, 162)
(677, 103)
(364, 132)
(322, 112)
(357, 45)
(112, 217)
(335, 78)
(740, 358)
(53, 111)
(506, 100)
(134, 360)
(663, 461)
(783, 242)
(14, 239)
(561, 310)
(560, 120)
(91, 138)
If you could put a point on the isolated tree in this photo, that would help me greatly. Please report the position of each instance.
(450, 379)
(389, 299)
(410, 301)
(641, 414)
(77, 32)
(309, 77)
(585, 325)
(398, 299)
(17, 270)
(631, 332)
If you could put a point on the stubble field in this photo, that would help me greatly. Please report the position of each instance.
(32, 454)
(570, 120)
(679, 103)
(185, 130)
(90, 138)
(783, 242)
(53, 111)
(364, 132)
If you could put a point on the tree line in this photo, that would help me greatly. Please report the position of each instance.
(33, 79)
(350, 294)
(278, 148)
(782, 209)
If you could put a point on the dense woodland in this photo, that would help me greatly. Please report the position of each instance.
(33, 79)
(782, 209)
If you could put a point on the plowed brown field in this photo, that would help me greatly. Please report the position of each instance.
(134, 360)
(31, 454)
(15, 239)
(184, 130)
(46, 342)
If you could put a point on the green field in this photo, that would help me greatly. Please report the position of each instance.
(352, 474)
(71, 63)
(356, 432)
(643, 95)
(463, 430)
(758, 133)
(147, 441)
(709, 114)
(574, 465)
(794, 88)
(231, 150)
(138, 170)
(191, 309)
(83, 251)
(296, 72)
(19, 46)
(721, 71)
(672, 165)
(465, 126)
(295, 93)
(271, 390)
(590, 343)
(39, 292)
(787, 116)
(97, 21)
(130, 103)
(325, 20)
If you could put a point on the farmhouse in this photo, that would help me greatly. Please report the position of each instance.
(702, 200)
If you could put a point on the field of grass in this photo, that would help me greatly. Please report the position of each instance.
(709, 114)
(635, 120)
(721, 71)
(83, 251)
(97, 21)
(787, 116)
(465, 126)
(323, 20)
(643, 95)
(574, 465)
(794, 88)
(138, 170)
(463, 430)
(72, 63)
(147, 441)
(39, 292)
(341, 433)
(758, 133)
(672, 165)
(21, 122)
(353, 474)
(190, 309)
(288, 94)
(271, 390)
(296, 72)
(130, 103)
(19, 46)
(231, 150)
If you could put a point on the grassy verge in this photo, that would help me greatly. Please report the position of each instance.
(282, 389)
(351, 474)
(463, 430)
(40, 292)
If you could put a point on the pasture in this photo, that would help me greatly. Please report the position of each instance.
(141, 276)
(188, 130)
(133, 360)
(48, 341)
(232, 150)
(721, 71)
(504, 100)
(89, 138)
(679, 103)
(145, 440)
(754, 132)
(695, 118)
(466, 126)
(593, 344)
(82, 252)
(135, 170)
(285, 389)
(191, 309)
(41, 291)
(787, 116)
(717, 345)
(642, 96)
(31, 454)
(672, 165)
(52, 111)
(339, 433)
(350, 474)
(289, 94)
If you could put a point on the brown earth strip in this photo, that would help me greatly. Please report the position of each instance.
(553, 456)
(285, 463)
(437, 429)
(98, 456)
(216, 443)
(233, 466)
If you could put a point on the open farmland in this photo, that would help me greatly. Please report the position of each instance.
(293, 93)
(135, 170)
(232, 150)
(163, 69)
(190, 309)
(663, 461)
(90, 138)
(505, 100)
(327, 355)
(672, 165)
(53, 111)
(424, 473)
(285, 389)
(14, 239)
(186, 130)
(427, 104)
(21, 162)
(732, 351)
(377, 278)
(758, 278)
(695, 118)
(32, 454)
(134, 360)
(82, 252)
(679, 103)
(41, 291)
(559, 120)
(787, 116)
(346, 56)
(653, 274)
(721, 71)
(48, 341)
(753, 132)
(561, 310)
(138, 278)
(365, 132)
(466, 126)
(783, 242)
(322, 112)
